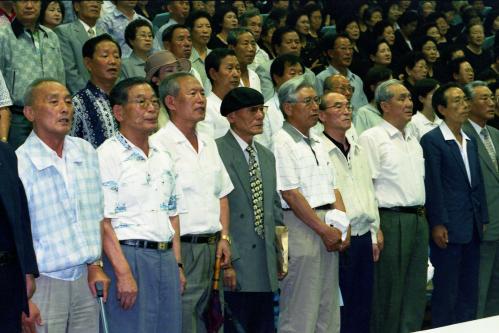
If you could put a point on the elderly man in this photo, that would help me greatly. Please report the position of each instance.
(456, 209)
(396, 161)
(72, 36)
(354, 180)
(252, 20)
(309, 293)
(338, 50)
(255, 210)
(141, 226)
(65, 221)
(22, 43)
(339, 84)
(18, 267)
(223, 70)
(179, 10)
(242, 41)
(93, 119)
(205, 184)
(283, 68)
(158, 66)
(487, 139)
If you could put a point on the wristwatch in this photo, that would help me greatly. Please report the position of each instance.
(3, 139)
(227, 238)
(99, 263)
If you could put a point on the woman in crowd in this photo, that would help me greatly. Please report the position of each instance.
(425, 118)
(428, 46)
(51, 13)
(139, 36)
(415, 69)
(225, 19)
(265, 41)
(199, 24)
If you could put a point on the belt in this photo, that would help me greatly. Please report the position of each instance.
(199, 239)
(7, 257)
(16, 109)
(160, 246)
(323, 207)
(418, 210)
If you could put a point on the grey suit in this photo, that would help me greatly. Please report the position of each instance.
(488, 300)
(253, 258)
(72, 36)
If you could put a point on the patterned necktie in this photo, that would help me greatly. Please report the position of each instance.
(91, 32)
(256, 191)
(489, 146)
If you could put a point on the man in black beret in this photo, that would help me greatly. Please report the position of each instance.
(255, 209)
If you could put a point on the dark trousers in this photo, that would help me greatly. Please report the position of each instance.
(455, 283)
(356, 284)
(248, 312)
(12, 297)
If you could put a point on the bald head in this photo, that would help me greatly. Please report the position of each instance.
(339, 84)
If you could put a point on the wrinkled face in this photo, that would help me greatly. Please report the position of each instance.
(341, 85)
(27, 11)
(230, 21)
(52, 110)
(419, 71)
(303, 25)
(290, 44)
(290, 71)
(434, 33)
(399, 107)
(353, 31)
(483, 103)
(179, 9)
(189, 106)
(245, 49)
(430, 52)
(342, 53)
(180, 44)
(228, 74)
(53, 15)
(304, 113)
(315, 20)
(337, 114)
(143, 39)
(247, 122)
(389, 35)
(105, 63)
(476, 35)
(466, 73)
(201, 31)
(457, 110)
(88, 10)
(442, 25)
(139, 114)
(254, 25)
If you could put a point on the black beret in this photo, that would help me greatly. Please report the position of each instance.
(239, 98)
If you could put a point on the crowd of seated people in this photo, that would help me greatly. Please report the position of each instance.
(148, 145)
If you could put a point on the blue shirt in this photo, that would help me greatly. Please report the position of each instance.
(93, 118)
(66, 209)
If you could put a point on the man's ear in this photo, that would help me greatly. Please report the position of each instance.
(287, 109)
(118, 112)
(86, 62)
(169, 102)
(212, 73)
(29, 113)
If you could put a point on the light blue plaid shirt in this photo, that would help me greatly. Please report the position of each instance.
(65, 220)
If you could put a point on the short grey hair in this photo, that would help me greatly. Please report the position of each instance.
(170, 86)
(287, 92)
(234, 34)
(383, 93)
(29, 94)
(244, 18)
(469, 89)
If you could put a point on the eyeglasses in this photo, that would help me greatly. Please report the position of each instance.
(143, 102)
(261, 108)
(309, 100)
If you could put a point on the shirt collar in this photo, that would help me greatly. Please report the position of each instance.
(477, 127)
(447, 133)
(135, 151)
(42, 156)
(393, 131)
(241, 142)
(437, 120)
(86, 26)
(93, 88)
(177, 136)
(335, 71)
(296, 135)
(18, 28)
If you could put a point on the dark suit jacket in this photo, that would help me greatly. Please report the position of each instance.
(241, 209)
(450, 199)
(16, 207)
(490, 179)
(72, 36)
